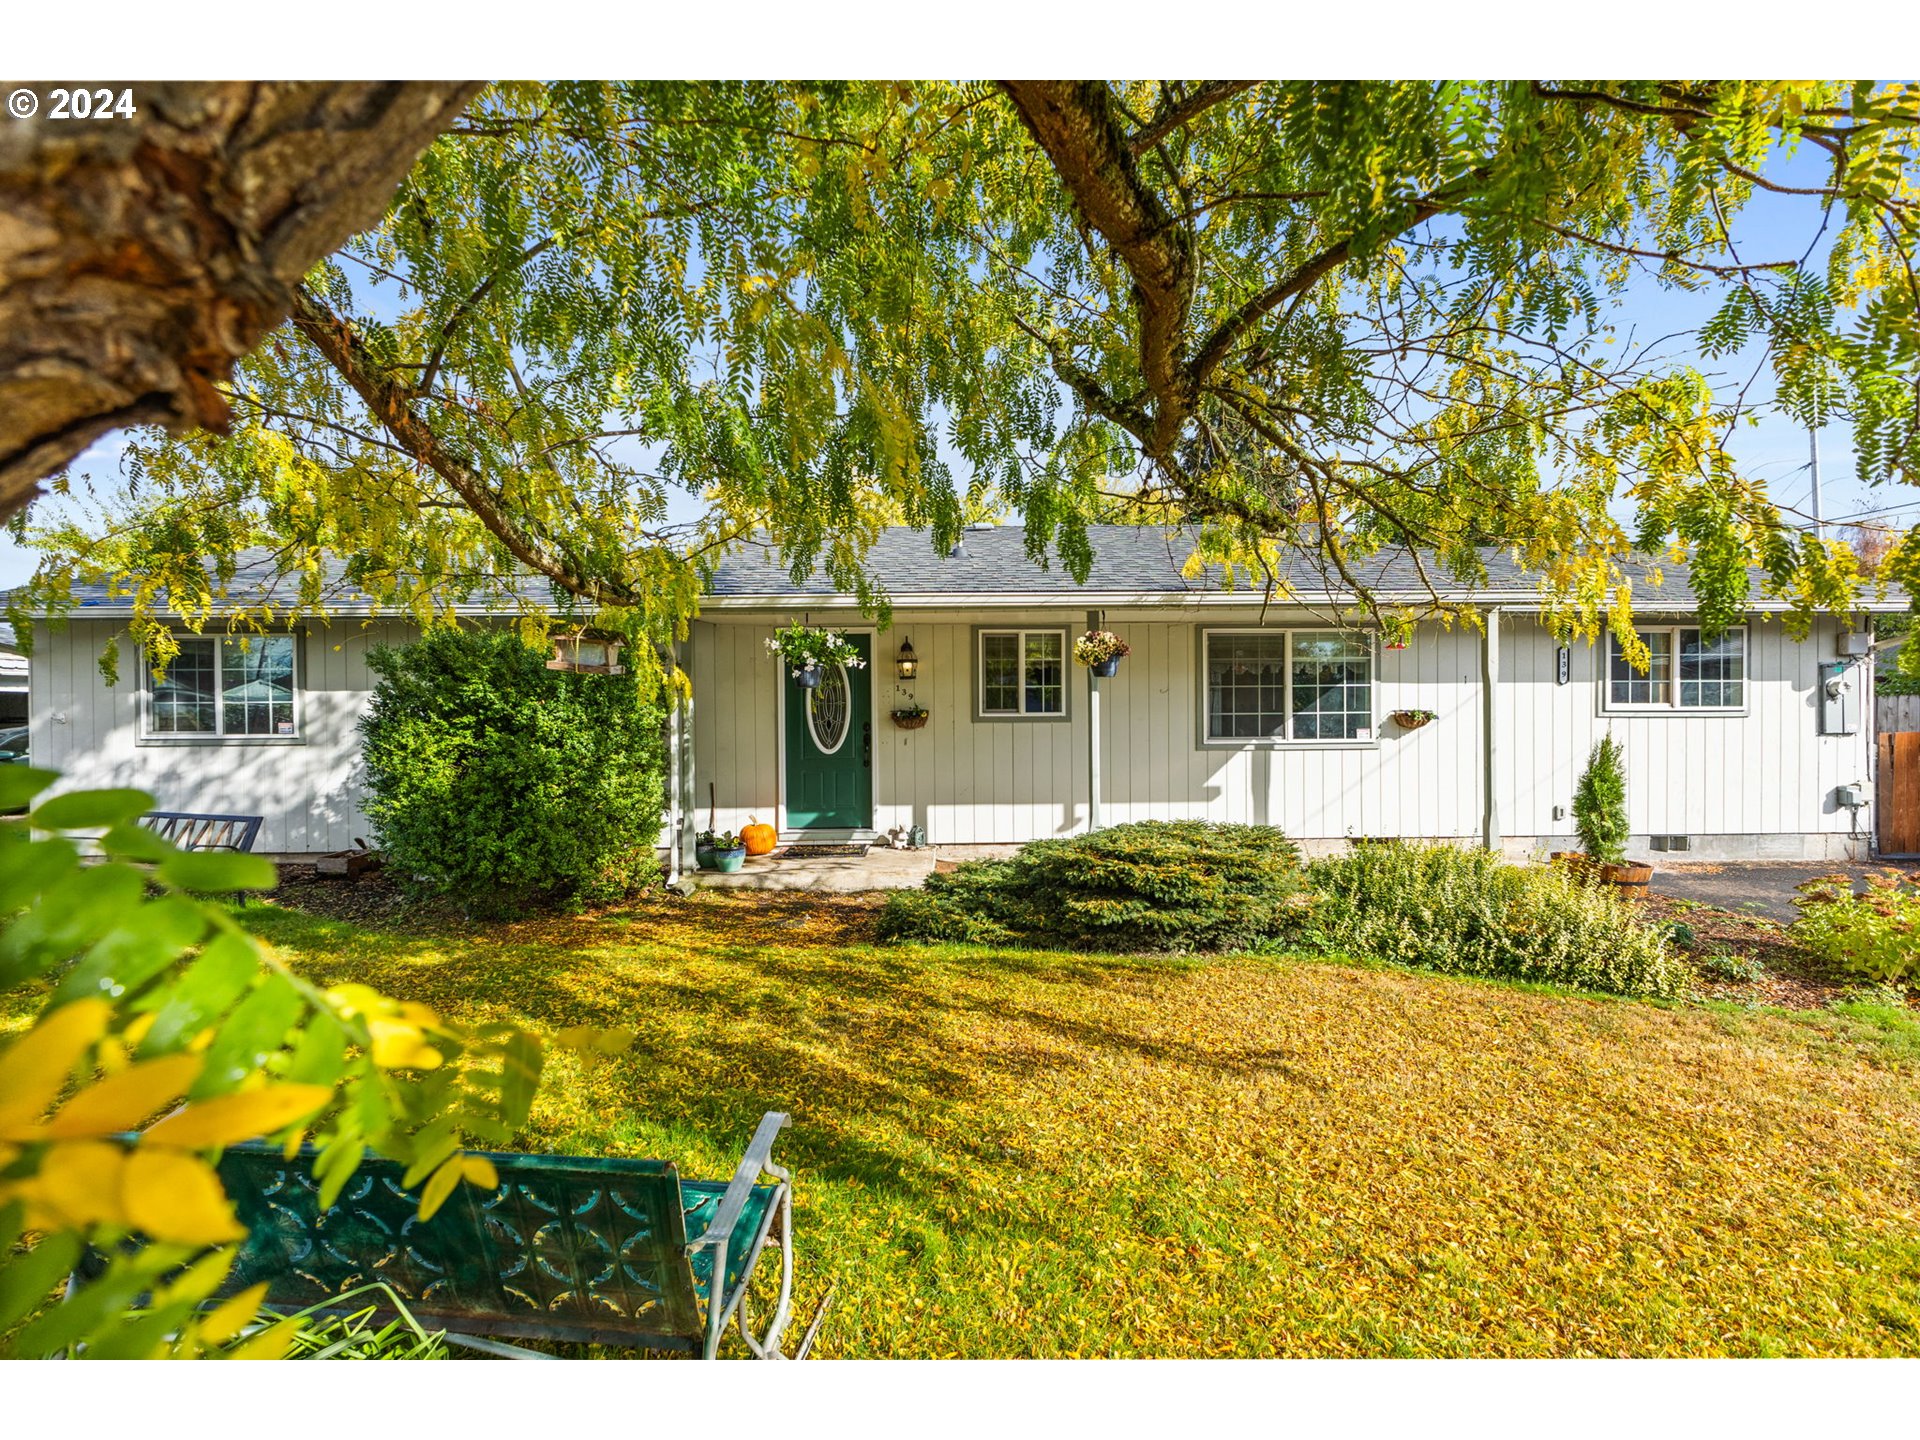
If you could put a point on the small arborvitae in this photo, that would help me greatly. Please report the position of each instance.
(1600, 804)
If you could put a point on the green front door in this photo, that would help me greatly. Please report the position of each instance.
(829, 744)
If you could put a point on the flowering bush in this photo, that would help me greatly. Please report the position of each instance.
(1096, 647)
(1876, 934)
(1468, 912)
(803, 645)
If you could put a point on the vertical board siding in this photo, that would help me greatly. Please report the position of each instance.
(973, 782)
(308, 795)
(968, 782)
(1765, 772)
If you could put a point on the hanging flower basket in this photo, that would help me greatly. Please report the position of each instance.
(810, 651)
(1412, 719)
(911, 718)
(1101, 651)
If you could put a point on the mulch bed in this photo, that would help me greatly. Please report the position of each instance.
(1794, 979)
(375, 899)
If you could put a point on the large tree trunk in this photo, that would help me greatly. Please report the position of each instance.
(140, 258)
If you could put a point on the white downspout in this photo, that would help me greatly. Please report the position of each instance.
(1490, 730)
(1094, 619)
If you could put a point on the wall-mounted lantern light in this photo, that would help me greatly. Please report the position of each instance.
(908, 663)
(586, 655)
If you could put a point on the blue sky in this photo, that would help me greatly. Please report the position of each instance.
(1775, 450)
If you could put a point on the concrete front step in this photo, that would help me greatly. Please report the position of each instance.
(878, 869)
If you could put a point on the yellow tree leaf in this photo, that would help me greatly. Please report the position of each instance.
(176, 1199)
(228, 1119)
(35, 1066)
(271, 1343)
(440, 1186)
(478, 1170)
(398, 1045)
(78, 1184)
(232, 1315)
(122, 1101)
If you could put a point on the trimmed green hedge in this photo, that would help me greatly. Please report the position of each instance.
(505, 786)
(1152, 885)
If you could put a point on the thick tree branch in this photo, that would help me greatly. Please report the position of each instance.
(1210, 94)
(140, 259)
(1075, 123)
(392, 404)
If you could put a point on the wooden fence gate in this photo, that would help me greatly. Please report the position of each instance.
(1899, 787)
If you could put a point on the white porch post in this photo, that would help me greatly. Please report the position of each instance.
(673, 794)
(1094, 620)
(1490, 729)
(683, 763)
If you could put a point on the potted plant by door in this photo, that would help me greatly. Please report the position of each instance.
(1600, 818)
(1101, 651)
(726, 852)
(810, 651)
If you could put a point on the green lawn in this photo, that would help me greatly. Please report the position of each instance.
(1020, 1154)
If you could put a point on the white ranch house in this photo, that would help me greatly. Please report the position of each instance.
(1752, 746)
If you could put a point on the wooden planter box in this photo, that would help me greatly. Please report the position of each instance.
(350, 864)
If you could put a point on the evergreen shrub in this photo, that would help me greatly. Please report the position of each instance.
(504, 786)
(1600, 804)
(1149, 886)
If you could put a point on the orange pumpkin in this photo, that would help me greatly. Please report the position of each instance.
(759, 839)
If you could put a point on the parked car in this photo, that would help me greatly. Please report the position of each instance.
(13, 746)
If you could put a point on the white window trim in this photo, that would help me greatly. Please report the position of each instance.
(1609, 706)
(980, 711)
(149, 736)
(1286, 742)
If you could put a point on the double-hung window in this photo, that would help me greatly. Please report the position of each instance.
(1282, 685)
(1022, 674)
(1686, 671)
(232, 687)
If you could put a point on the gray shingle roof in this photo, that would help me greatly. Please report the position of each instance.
(257, 581)
(1131, 564)
(992, 560)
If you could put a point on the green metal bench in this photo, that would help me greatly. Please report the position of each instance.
(607, 1251)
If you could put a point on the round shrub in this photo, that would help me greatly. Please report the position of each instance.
(1152, 885)
(503, 785)
(1469, 912)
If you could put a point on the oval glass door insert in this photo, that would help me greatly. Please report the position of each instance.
(828, 710)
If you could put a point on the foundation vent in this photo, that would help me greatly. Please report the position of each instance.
(1670, 842)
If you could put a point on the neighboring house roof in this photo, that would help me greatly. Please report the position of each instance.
(13, 665)
(1132, 565)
